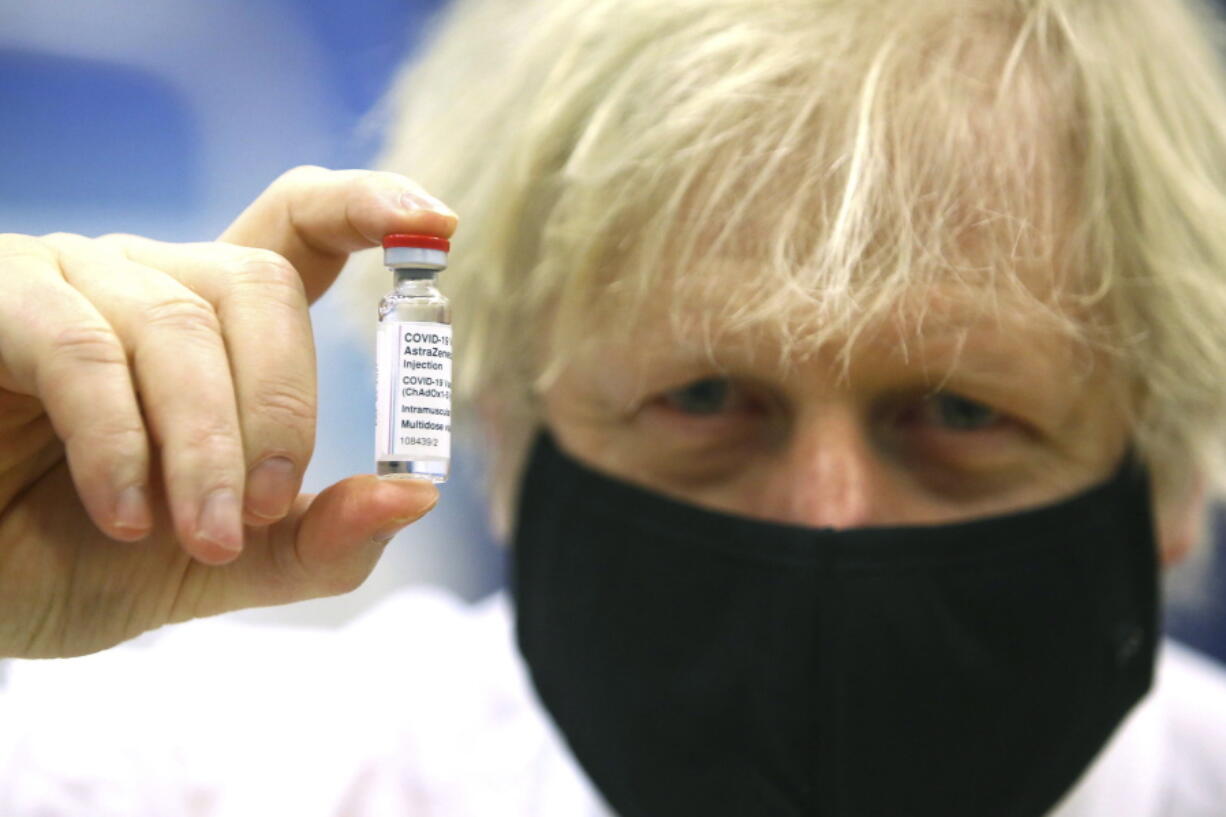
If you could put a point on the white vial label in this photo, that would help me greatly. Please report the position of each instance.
(413, 365)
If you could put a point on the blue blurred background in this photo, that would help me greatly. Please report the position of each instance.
(167, 118)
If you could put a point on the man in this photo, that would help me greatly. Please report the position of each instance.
(850, 369)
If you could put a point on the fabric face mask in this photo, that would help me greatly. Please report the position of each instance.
(700, 663)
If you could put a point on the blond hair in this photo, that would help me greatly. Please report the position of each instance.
(863, 152)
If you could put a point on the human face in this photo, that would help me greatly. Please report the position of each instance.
(978, 413)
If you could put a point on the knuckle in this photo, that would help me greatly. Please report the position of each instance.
(110, 439)
(184, 315)
(60, 242)
(93, 345)
(300, 175)
(286, 405)
(118, 240)
(121, 439)
(60, 237)
(210, 442)
(268, 269)
(14, 246)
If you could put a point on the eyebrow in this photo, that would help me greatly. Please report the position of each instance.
(1039, 372)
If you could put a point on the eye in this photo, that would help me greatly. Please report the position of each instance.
(711, 395)
(946, 413)
(700, 432)
(956, 413)
(712, 408)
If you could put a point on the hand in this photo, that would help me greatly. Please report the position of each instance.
(157, 411)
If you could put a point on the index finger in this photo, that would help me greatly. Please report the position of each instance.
(316, 217)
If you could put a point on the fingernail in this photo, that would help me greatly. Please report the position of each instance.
(132, 509)
(271, 486)
(386, 534)
(421, 490)
(424, 201)
(219, 522)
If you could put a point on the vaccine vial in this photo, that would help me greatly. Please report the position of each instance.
(413, 362)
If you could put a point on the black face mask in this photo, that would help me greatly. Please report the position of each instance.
(700, 663)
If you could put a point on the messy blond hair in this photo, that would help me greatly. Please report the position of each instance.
(862, 152)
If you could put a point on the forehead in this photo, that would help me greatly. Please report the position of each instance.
(733, 314)
(1010, 351)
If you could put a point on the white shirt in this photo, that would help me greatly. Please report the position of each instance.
(421, 709)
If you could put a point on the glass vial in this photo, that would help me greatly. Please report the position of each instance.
(413, 362)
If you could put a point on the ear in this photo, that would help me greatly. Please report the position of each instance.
(1180, 522)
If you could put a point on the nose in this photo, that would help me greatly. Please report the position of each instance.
(828, 474)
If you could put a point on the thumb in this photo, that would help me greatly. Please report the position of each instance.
(327, 545)
(339, 536)
(315, 217)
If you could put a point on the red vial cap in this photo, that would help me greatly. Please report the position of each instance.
(425, 242)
